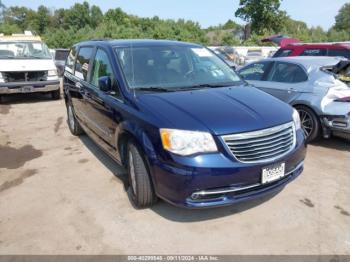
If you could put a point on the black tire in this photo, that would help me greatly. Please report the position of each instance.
(140, 189)
(73, 124)
(309, 123)
(56, 95)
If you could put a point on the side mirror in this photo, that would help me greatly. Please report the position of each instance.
(105, 83)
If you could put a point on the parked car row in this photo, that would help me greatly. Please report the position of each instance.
(188, 128)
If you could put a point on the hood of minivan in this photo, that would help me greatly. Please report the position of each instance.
(13, 65)
(220, 111)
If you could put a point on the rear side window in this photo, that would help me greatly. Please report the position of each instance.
(254, 71)
(339, 52)
(287, 73)
(283, 53)
(314, 52)
(70, 60)
(82, 63)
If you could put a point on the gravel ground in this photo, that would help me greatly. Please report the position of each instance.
(62, 195)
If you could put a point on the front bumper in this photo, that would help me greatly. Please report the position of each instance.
(338, 125)
(29, 87)
(213, 180)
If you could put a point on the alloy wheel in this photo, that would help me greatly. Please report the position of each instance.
(307, 123)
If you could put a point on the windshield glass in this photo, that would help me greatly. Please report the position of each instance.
(173, 67)
(24, 50)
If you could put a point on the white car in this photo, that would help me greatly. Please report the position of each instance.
(26, 66)
(308, 84)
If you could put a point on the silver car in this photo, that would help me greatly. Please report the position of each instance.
(309, 85)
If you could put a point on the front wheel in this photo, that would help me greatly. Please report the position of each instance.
(73, 123)
(309, 123)
(140, 188)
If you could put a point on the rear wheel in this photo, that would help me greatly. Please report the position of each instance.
(309, 123)
(73, 123)
(140, 188)
(55, 95)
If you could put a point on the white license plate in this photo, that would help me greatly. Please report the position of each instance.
(27, 89)
(273, 173)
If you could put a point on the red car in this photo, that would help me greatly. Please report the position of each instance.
(300, 49)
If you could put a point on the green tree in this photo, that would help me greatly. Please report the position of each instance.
(96, 16)
(78, 16)
(342, 20)
(262, 14)
(230, 25)
(42, 19)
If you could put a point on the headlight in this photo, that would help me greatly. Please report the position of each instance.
(1, 78)
(52, 72)
(186, 143)
(296, 119)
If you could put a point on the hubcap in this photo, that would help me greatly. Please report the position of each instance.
(306, 122)
(71, 118)
(132, 172)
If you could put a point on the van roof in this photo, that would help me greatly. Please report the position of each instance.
(19, 37)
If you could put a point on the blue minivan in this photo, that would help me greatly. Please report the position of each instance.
(185, 126)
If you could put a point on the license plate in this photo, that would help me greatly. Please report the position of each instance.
(27, 89)
(273, 173)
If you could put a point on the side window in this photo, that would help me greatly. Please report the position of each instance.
(254, 71)
(70, 60)
(283, 53)
(314, 52)
(82, 63)
(287, 73)
(102, 67)
(339, 52)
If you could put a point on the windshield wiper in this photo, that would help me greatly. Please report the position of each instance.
(153, 89)
(201, 86)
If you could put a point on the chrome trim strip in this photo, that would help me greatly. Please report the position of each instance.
(259, 133)
(236, 189)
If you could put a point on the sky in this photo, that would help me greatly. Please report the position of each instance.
(206, 12)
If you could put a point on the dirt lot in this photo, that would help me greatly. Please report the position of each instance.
(62, 195)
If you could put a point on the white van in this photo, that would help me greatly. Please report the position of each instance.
(26, 66)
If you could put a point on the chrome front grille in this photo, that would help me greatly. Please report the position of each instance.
(263, 145)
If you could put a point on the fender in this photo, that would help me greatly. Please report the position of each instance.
(136, 132)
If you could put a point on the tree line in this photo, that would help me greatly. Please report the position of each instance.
(61, 28)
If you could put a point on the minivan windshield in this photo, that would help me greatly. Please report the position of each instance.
(24, 50)
(174, 67)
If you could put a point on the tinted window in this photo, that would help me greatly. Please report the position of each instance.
(173, 67)
(71, 59)
(283, 53)
(339, 52)
(102, 67)
(287, 73)
(82, 63)
(254, 71)
(314, 52)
